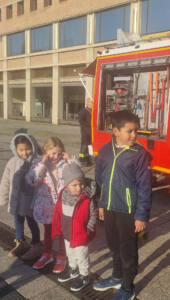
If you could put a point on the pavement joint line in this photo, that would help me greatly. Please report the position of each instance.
(8, 292)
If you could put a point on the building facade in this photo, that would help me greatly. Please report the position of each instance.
(45, 44)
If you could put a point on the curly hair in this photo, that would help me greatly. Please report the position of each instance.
(52, 142)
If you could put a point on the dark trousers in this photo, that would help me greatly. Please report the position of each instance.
(50, 245)
(122, 241)
(47, 238)
(85, 141)
(32, 224)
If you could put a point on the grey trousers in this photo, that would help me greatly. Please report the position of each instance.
(78, 257)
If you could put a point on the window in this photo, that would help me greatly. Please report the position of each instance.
(117, 91)
(20, 8)
(16, 43)
(42, 102)
(9, 12)
(33, 5)
(41, 38)
(107, 23)
(73, 32)
(155, 16)
(47, 3)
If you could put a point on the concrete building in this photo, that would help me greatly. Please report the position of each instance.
(45, 44)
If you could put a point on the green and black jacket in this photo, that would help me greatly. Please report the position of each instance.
(125, 180)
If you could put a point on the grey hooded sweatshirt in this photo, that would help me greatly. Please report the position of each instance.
(14, 190)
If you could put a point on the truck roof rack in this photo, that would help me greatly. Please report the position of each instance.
(126, 39)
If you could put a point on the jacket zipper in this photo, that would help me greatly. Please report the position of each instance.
(72, 220)
(129, 201)
(112, 171)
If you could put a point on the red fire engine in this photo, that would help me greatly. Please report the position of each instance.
(137, 78)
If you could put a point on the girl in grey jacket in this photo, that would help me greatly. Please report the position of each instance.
(15, 192)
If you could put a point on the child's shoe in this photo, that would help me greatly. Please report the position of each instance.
(45, 259)
(107, 283)
(79, 283)
(68, 274)
(34, 252)
(60, 264)
(20, 248)
(124, 295)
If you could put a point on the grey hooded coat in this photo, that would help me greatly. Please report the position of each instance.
(14, 191)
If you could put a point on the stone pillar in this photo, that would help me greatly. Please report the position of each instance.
(135, 17)
(55, 35)
(28, 91)
(90, 52)
(55, 92)
(27, 41)
(5, 95)
(28, 87)
(56, 99)
(90, 29)
(5, 79)
(28, 95)
(4, 46)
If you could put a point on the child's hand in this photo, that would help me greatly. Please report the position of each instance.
(101, 214)
(139, 225)
(89, 231)
(66, 156)
(45, 158)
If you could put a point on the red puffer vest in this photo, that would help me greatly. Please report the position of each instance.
(78, 231)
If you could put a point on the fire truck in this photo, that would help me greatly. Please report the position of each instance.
(136, 77)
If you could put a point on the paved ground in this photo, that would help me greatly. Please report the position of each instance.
(152, 282)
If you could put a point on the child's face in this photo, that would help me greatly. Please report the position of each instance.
(54, 154)
(76, 187)
(126, 135)
(24, 150)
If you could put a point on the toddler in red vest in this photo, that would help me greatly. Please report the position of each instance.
(75, 217)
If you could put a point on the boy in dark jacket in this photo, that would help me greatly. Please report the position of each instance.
(75, 217)
(123, 174)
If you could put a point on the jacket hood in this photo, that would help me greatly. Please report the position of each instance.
(33, 142)
(90, 188)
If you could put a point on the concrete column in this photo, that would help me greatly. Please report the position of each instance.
(5, 78)
(90, 38)
(55, 36)
(55, 97)
(28, 91)
(61, 106)
(90, 29)
(55, 91)
(135, 17)
(27, 42)
(5, 95)
(28, 95)
(4, 46)
(90, 52)
(139, 17)
(56, 105)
